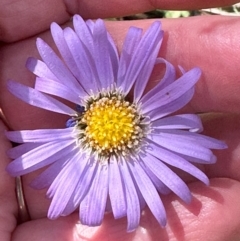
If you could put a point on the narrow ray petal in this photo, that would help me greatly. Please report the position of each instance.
(84, 60)
(171, 107)
(84, 183)
(143, 51)
(18, 151)
(57, 89)
(38, 99)
(93, 206)
(160, 186)
(116, 194)
(83, 32)
(183, 121)
(177, 161)
(168, 78)
(40, 69)
(55, 64)
(172, 91)
(67, 182)
(186, 136)
(114, 56)
(39, 157)
(188, 148)
(101, 54)
(149, 192)
(130, 43)
(42, 135)
(168, 177)
(133, 207)
(46, 178)
(146, 70)
(58, 37)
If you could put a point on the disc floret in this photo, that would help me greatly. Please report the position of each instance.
(111, 125)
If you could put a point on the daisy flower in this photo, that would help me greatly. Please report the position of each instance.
(116, 151)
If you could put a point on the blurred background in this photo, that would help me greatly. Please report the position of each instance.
(233, 10)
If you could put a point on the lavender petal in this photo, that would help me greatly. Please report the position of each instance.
(67, 181)
(168, 177)
(172, 91)
(177, 161)
(40, 69)
(38, 99)
(55, 64)
(116, 193)
(101, 55)
(171, 107)
(133, 207)
(42, 135)
(149, 192)
(84, 183)
(88, 76)
(130, 43)
(18, 151)
(183, 121)
(168, 78)
(93, 206)
(39, 157)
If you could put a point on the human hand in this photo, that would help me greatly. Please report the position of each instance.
(201, 219)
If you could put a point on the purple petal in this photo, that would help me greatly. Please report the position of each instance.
(133, 207)
(186, 136)
(116, 193)
(168, 78)
(83, 32)
(66, 183)
(189, 148)
(102, 55)
(149, 192)
(130, 43)
(114, 56)
(160, 186)
(57, 89)
(42, 135)
(175, 160)
(39, 157)
(90, 24)
(46, 178)
(84, 60)
(40, 69)
(171, 106)
(197, 160)
(168, 177)
(55, 64)
(84, 183)
(147, 69)
(143, 51)
(93, 206)
(58, 37)
(172, 91)
(38, 99)
(18, 151)
(184, 121)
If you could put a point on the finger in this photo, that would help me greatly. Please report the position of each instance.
(213, 215)
(21, 19)
(187, 42)
(225, 127)
(8, 205)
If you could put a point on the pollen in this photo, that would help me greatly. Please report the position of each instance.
(112, 125)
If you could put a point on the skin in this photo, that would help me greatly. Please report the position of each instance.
(209, 42)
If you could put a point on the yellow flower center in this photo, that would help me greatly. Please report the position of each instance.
(112, 125)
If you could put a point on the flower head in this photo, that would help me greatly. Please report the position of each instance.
(115, 147)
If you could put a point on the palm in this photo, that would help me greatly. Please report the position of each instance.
(214, 212)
